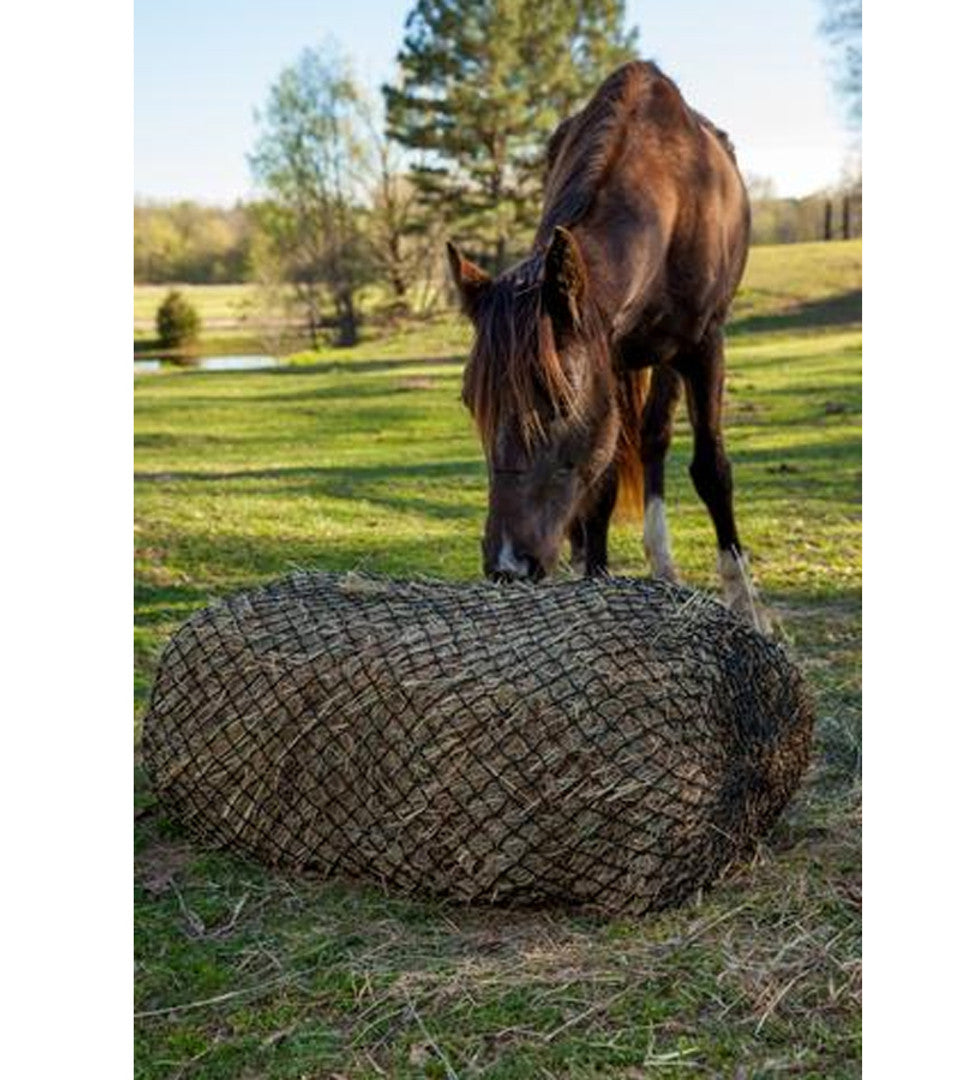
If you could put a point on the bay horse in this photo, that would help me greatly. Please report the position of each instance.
(582, 349)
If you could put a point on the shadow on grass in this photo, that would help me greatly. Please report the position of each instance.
(845, 451)
(431, 470)
(168, 440)
(370, 483)
(158, 604)
(349, 390)
(382, 406)
(840, 310)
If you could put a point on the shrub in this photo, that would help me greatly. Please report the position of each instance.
(177, 321)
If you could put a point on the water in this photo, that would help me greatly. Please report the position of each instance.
(209, 363)
(237, 363)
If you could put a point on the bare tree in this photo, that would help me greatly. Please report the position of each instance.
(305, 159)
(842, 26)
(402, 235)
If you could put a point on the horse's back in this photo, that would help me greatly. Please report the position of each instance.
(653, 192)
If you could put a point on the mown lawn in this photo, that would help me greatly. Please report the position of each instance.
(366, 459)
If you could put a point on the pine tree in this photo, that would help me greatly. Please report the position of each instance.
(483, 83)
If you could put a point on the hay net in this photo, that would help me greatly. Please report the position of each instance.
(613, 744)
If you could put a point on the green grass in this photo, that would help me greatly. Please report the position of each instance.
(796, 286)
(366, 458)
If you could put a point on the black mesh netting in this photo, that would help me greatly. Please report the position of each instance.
(613, 744)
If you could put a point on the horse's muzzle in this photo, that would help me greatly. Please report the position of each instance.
(512, 565)
(536, 573)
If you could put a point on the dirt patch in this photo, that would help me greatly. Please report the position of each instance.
(156, 869)
(417, 382)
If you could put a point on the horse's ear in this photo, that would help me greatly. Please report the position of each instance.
(564, 278)
(471, 281)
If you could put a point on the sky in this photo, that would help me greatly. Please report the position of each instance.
(757, 68)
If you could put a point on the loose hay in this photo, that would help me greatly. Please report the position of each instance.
(613, 744)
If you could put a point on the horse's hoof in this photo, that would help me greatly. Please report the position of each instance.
(739, 591)
(668, 573)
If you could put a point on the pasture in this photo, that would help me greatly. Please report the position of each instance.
(365, 458)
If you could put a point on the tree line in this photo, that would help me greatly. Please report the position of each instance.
(358, 192)
(184, 241)
(834, 214)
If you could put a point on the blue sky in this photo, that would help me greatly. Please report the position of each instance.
(201, 67)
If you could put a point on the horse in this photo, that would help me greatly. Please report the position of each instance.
(582, 349)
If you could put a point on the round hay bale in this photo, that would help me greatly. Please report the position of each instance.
(613, 744)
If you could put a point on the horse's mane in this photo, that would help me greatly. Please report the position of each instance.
(514, 363)
(585, 147)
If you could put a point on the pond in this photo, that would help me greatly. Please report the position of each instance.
(207, 363)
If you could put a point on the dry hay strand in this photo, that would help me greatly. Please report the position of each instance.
(611, 744)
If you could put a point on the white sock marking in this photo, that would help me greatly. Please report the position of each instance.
(656, 540)
(739, 591)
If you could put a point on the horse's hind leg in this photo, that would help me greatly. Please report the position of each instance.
(703, 371)
(656, 429)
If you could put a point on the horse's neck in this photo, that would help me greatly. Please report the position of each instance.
(622, 272)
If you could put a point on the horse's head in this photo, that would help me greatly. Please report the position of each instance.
(541, 390)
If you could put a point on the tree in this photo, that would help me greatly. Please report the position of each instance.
(842, 26)
(403, 237)
(483, 83)
(178, 322)
(183, 241)
(157, 246)
(305, 160)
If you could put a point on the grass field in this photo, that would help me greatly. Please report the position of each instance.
(366, 459)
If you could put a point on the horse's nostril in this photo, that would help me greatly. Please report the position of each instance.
(518, 572)
(501, 577)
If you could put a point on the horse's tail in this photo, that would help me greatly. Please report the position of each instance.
(632, 388)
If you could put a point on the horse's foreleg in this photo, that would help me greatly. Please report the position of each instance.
(656, 429)
(577, 535)
(595, 525)
(713, 478)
